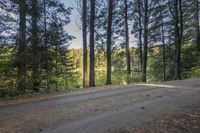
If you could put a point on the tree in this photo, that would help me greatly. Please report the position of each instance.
(92, 56)
(197, 24)
(84, 32)
(22, 48)
(146, 29)
(128, 58)
(46, 47)
(109, 41)
(35, 45)
(137, 28)
(140, 32)
(145, 37)
(177, 16)
(61, 64)
(163, 39)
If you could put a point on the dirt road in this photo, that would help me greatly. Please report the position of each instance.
(102, 110)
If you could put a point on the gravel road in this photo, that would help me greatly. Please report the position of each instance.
(100, 110)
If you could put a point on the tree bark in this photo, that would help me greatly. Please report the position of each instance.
(22, 72)
(178, 37)
(144, 66)
(109, 42)
(197, 25)
(92, 52)
(128, 57)
(84, 32)
(163, 44)
(34, 42)
(46, 49)
(140, 34)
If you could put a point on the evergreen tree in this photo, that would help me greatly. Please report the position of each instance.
(84, 30)
(92, 52)
(60, 63)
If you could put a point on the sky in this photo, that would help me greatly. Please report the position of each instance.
(73, 27)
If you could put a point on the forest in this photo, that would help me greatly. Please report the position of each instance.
(123, 42)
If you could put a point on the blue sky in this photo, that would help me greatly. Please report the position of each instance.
(72, 28)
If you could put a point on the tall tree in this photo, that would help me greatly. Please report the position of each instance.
(61, 64)
(35, 45)
(22, 48)
(128, 58)
(84, 32)
(163, 40)
(197, 23)
(138, 28)
(140, 34)
(46, 47)
(92, 52)
(109, 41)
(177, 14)
(146, 21)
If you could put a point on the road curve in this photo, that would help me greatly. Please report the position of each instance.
(100, 111)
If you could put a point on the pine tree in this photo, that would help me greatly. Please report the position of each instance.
(60, 62)
(22, 47)
(128, 58)
(35, 45)
(92, 55)
(84, 30)
(109, 41)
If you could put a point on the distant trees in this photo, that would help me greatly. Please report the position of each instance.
(164, 34)
(34, 52)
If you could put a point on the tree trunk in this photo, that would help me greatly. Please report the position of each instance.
(109, 42)
(56, 50)
(197, 25)
(144, 66)
(84, 28)
(22, 47)
(163, 43)
(92, 59)
(140, 34)
(34, 42)
(46, 48)
(128, 58)
(178, 37)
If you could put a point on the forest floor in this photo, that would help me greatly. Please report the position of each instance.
(155, 107)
